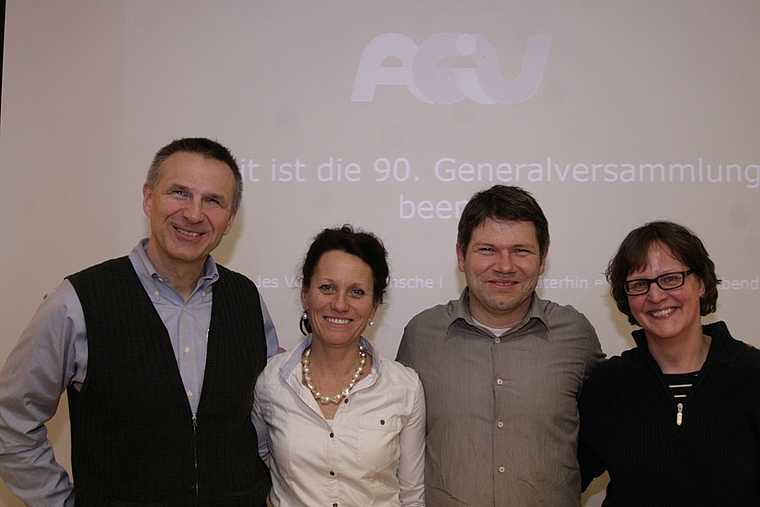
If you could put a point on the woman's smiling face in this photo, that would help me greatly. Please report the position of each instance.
(667, 314)
(339, 299)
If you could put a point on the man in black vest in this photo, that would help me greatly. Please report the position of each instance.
(133, 340)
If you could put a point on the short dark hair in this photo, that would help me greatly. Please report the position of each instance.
(683, 244)
(201, 146)
(364, 245)
(501, 202)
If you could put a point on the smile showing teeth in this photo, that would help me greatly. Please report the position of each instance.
(188, 233)
(662, 313)
(337, 321)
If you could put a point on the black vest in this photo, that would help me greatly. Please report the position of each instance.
(133, 436)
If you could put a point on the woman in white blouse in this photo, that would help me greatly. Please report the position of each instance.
(341, 425)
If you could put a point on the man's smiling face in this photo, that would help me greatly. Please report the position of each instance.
(190, 211)
(501, 265)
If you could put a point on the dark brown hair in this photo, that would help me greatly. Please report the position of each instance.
(501, 202)
(683, 244)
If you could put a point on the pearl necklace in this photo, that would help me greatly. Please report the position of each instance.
(326, 400)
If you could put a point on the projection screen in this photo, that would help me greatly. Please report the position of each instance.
(389, 116)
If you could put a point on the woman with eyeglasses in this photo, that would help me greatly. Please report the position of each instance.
(675, 420)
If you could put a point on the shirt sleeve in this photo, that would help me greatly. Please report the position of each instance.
(262, 432)
(273, 347)
(404, 352)
(49, 357)
(595, 354)
(411, 468)
(273, 344)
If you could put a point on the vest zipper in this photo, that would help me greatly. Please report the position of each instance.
(195, 454)
(679, 415)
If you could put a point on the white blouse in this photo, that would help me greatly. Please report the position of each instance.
(371, 453)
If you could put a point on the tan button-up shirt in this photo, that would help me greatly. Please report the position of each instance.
(502, 414)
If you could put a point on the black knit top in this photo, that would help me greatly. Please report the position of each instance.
(708, 456)
(134, 438)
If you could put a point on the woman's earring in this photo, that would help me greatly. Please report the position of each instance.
(304, 325)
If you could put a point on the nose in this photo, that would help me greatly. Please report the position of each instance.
(655, 293)
(193, 211)
(504, 263)
(340, 302)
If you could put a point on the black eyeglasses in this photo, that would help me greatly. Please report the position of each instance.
(668, 281)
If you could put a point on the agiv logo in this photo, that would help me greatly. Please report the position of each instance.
(419, 72)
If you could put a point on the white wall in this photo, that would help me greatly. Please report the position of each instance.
(92, 89)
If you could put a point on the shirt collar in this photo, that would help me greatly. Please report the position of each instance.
(147, 273)
(459, 310)
(292, 363)
(722, 344)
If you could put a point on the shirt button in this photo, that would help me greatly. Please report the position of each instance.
(499, 381)
(189, 393)
(187, 350)
(497, 340)
(502, 470)
(500, 424)
(382, 422)
(332, 435)
(332, 473)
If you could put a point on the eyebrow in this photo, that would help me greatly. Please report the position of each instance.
(212, 195)
(330, 281)
(528, 246)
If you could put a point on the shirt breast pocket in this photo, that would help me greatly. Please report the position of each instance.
(377, 448)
